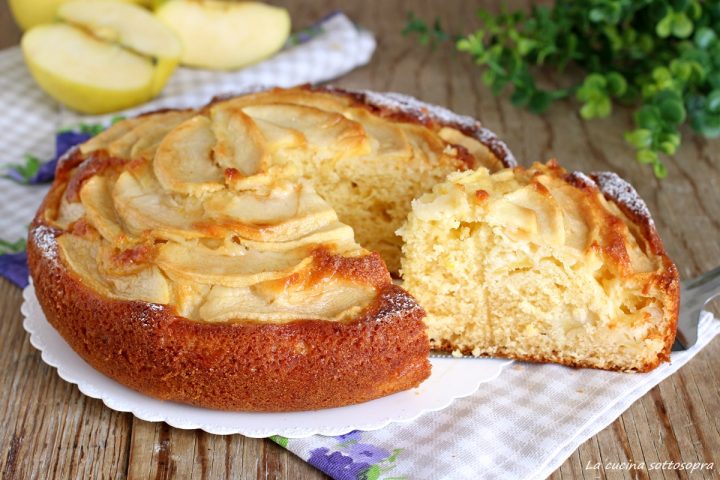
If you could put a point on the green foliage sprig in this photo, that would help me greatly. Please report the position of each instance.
(12, 247)
(660, 56)
(24, 172)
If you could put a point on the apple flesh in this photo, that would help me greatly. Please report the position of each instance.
(29, 13)
(102, 56)
(225, 35)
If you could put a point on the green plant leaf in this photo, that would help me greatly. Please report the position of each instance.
(704, 36)
(646, 156)
(660, 170)
(12, 247)
(713, 101)
(539, 102)
(280, 440)
(372, 473)
(640, 138)
(660, 58)
(664, 26)
(672, 112)
(603, 107)
(616, 84)
(667, 148)
(682, 26)
(648, 117)
(588, 111)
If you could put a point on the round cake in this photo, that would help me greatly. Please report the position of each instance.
(239, 256)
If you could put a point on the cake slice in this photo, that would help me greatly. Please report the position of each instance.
(542, 265)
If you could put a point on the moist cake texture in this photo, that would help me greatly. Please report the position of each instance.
(542, 265)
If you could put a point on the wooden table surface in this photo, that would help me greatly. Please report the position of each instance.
(48, 429)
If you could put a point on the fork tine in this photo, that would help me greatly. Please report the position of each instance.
(695, 293)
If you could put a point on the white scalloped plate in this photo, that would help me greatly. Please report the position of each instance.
(451, 378)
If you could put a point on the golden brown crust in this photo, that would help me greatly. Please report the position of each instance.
(667, 283)
(302, 365)
(620, 192)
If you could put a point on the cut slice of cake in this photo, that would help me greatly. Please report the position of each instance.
(542, 265)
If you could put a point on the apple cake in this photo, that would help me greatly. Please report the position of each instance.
(542, 265)
(234, 256)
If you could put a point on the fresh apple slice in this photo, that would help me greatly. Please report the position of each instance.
(103, 56)
(131, 27)
(226, 35)
(29, 13)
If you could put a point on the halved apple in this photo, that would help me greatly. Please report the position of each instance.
(226, 35)
(101, 56)
(29, 13)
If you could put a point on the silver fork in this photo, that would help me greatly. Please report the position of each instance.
(695, 293)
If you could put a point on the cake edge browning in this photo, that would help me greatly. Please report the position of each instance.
(619, 191)
(301, 365)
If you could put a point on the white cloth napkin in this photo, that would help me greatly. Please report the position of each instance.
(523, 425)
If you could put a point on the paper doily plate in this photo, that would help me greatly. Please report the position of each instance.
(451, 378)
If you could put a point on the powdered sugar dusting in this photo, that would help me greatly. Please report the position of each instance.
(44, 240)
(613, 186)
(582, 179)
(395, 301)
(425, 112)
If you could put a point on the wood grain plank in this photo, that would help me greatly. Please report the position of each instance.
(9, 31)
(49, 429)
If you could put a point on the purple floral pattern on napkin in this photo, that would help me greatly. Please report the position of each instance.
(13, 266)
(13, 259)
(354, 460)
(34, 172)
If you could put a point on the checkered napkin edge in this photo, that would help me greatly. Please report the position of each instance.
(521, 426)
